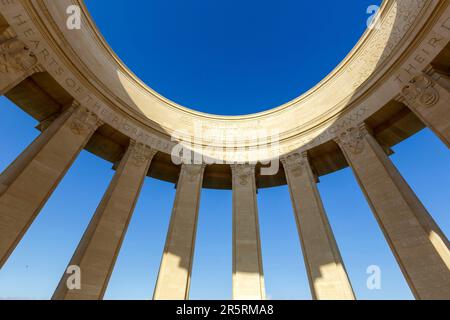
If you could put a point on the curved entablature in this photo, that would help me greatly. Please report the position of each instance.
(368, 86)
(394, 83)
(100, 81)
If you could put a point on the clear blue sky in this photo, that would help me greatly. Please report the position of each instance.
(225, 57)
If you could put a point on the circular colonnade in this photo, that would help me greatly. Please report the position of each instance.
(395, 82)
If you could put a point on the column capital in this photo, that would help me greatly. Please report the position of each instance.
(243, 171)
(15, 57)
(427, 95)
(420, 91)
(141, 153)
(193, 170)
(83, 120)
(243, 168)
(295, 162)
(352, 138)
(17, 61)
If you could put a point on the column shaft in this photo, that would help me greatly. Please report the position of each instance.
(431, 103)
(420, 247)
(248, 276)
(327, 275)
(28, 182)
(176, 265)
(98, 249)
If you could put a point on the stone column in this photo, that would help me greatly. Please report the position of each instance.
(176, 265)
(248, 276)
(28, 182)
(420, 247)
(327, 275)
(17, 62)
(98, 249)
(431, 103)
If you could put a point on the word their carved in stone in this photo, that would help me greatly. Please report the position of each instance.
(15, 56)
(421, 91)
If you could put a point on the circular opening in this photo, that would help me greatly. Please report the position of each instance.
(231, 57)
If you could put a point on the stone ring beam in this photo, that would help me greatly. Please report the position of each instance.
(395, 82)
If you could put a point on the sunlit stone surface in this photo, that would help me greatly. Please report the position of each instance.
(394, 83)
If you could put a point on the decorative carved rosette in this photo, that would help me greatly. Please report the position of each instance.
(83, 120)
(421, 91)
(243, 172)
(140, 153)
(295, 163)
(352, 139)
(16, 56)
